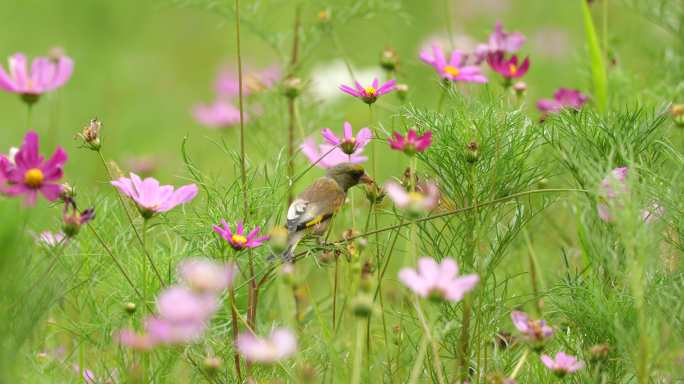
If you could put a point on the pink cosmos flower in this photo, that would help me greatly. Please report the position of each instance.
(509, 69)
(228, 85)
(29, 173)
(562, 98)
(162, 331)
(44, 76)
(612, 187)
(371, 93)
(180, 305)
(562, 364)
(280, 345)
(220, 114)
(206, 276)
(411, 143)
(423, 199)
(237, 240)
(50, 239)
(454, 69)
(327, 156)
(438, 281)
(88, 375)
(501, 41)
(534, 330)
(349, 144)
(134, 340)
(151, 197)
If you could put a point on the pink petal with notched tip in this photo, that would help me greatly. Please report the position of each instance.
(363, 137)
(397, 194)
(330, 137)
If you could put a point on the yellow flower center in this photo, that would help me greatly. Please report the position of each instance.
(416, 197)
(238, 239)
(451, 70)
(512, 68)
(29, 84)
(34, 178)
(370, 91)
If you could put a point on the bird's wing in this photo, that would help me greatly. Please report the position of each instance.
(316, 204)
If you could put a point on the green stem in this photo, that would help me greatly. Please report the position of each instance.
(418, 363)
(435, 346)
(358, 352)
(520, 364)
(29, 115)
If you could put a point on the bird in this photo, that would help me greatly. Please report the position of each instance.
(313, 208)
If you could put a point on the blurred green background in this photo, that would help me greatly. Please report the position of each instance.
(142, 65)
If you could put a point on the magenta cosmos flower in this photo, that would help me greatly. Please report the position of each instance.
(237, 240)
(28, 173)
(411, 143)
(612, 187)
(508, 68)
(533, 330)
(438, 281)
(371, 93)
(44, 76)
(220, 114)
(327, 155)
(562, 364)
(349, 144)
(206, 276)
(563, 98)
(279, 345)
(454, 69)
(423, 199)
(153, 198)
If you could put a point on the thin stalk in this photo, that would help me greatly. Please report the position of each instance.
(532, 259)
(119, 266)
(144, 266)
(520, 364)
(234, 329)
(130, 220)
(29, 115)
(358, 352)
(442, 95)
(435, 347)
(291, 104)
(418, 363)
(464, 341)
(335, 283)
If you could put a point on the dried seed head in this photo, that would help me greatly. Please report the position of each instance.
(389, 59)
(599, 352)
(90, 135)
(212, 364)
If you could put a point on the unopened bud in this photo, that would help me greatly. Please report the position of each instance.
(90, 135)
(278, 239)
(389, 60)
(472, 152)
(374, 193)
(67, 193)
(55, 54)
(292, 87)
(212, 364)
(130, 308)
(520, 88)
(362, 305)
(323, 16)
(677, 113)
(402, 91)
(599, 352)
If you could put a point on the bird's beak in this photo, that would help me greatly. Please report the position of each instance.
(366, 179)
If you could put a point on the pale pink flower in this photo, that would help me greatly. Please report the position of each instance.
(327, 156)
(612, 188)
(44, 76)
(227, 82)
(88, 375)
(438, 281)
(151, 197)
(423, 199)
(454, 69)
(562, 98)
(181, 305)
(533, 330)
(206, 276)
(370, 93)
(137, 341)
(562, 363)
(220, 114)
(500, 41)
(168, 332)
(349, 143)
(50, 239)
(280, 345)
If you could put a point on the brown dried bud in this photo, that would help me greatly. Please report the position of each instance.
(90, 134)
(599, 352)
(677, 113)
(389, 60)
(472, 152)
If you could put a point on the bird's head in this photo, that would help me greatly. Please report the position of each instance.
(348, 175)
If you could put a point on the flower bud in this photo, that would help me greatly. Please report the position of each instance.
(278, 239)
(677, 113)
(374, 193)
(472, 152)
(287, 272)
(323, 16)
(55, 54)
(130, 308)
(599, 352)
(67, 193)
(520, 88)
(389, 60)
(74, 220)
(212, 364)
(90, 135)
(292, 87)
(362, 305)
(402, 91)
